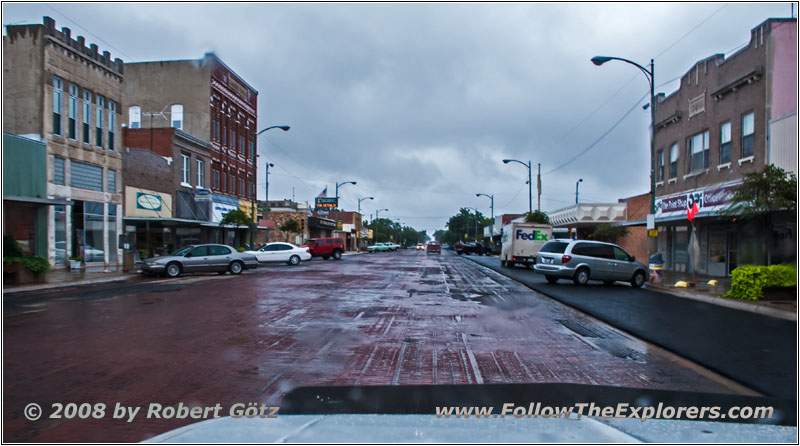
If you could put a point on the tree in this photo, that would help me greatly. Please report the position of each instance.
(236, 217)
(290, 226)
(537, 216)
(608, 233)
(761, 193)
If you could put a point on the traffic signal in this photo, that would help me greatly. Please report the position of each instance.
(302, 225)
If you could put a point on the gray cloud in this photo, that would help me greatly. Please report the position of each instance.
(420, 102)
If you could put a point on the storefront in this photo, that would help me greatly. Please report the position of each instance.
(320, 227)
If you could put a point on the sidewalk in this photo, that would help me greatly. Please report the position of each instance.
(63, 278)
(703, 292)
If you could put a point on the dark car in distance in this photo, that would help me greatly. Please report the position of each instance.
(476, 248)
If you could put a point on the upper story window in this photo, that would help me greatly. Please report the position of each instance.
(748, 135)
(58, 94)
(72, 123)
(725, 143)
(660, 165)
(673, 161)
(134, 117)
(177, 116)
(186, 171)
(87, 116)
(112, 123)
(98, 140)
(201, 174)
(697, 152)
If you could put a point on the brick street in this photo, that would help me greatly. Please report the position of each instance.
(388, 318)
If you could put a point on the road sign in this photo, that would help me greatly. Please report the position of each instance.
(652, 232)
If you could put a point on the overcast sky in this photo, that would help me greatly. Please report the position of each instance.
(419, 103)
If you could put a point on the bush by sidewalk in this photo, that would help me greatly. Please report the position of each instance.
(749, 281)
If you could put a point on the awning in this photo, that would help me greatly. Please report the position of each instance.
(47, 201)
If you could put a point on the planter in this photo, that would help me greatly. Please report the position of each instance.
(75, 265)
(16, 274)
(779, 293)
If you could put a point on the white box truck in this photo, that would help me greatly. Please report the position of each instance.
(521, 242)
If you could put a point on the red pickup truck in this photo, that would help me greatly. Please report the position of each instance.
(325, 247)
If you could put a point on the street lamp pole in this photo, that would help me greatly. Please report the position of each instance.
(378, 213)
(337, 189)
(358, 247)
(576, 189)
(650, 75)
(285, 128)
(530, 184)
(362, 199)
(476, 221)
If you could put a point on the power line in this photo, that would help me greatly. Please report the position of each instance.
(692, 30)
(91, 34)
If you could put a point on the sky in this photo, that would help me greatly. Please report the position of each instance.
(419, 103)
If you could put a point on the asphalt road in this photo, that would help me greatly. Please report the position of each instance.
(756, 350)
(402, 318)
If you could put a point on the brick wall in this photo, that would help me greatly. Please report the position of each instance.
(280, 218)
(157, 140)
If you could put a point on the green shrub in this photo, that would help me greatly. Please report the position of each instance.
(77, 259)
(240, 249)
(11, 247)
(748, 281)
(36, 264)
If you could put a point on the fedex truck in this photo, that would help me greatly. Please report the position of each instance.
(521, 242)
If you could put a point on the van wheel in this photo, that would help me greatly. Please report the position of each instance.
(337, 255)
(581, 276)
(550, 278)
(638, 279)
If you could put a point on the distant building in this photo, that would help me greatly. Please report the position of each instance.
(730, 116)
(207, 100)
(67, 95)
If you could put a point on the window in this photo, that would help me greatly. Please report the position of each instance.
(72, 123)
(660, 165)
(224, 181)
(112, 181)
(215, 250)
(697, 152)
(620, 254)
(98, 140)
(725, 143)
(673, 161)
(112, 122)
(252, 149)
(186, 171)
(87, 116)
(232, 185)
(200, 251)
(242, 190)
(135, 117)
(177, 116)
(58, 87)
(215, 179)
(58, 170)
(86, 176)
(252, 189)
(233, 138)
(200, 174)
(748, 129)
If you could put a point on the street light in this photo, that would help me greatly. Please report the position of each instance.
(650, 75)
(576, 189)
(285, 128)
(491, 197)
(530, 185)
(337, 189)
(377, 213)
(362, 199)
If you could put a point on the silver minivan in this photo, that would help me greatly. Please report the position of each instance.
(585, 260)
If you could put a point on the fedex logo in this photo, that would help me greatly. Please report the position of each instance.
(534, 235)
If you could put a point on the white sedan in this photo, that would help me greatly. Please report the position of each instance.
(281, 252)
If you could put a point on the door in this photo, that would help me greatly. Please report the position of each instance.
(196, 260)
(220, 258)
(623, 267)
(282, 252)
(266, 253)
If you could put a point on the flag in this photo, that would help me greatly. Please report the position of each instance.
(324, 193)
(692, 211)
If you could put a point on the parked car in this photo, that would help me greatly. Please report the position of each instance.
(325, 247)
(420, 247)
(281, 252)
(433, 247)
(381, 247)
(476, 248)
(584, 260)
(200, 258)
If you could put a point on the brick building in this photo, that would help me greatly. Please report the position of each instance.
(171, 168)
(730, 116)
(205, 99)
(67, 95)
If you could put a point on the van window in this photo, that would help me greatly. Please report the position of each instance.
(555, 247)
(593, 250)
(620, 254)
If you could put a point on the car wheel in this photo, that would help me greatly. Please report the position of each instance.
(638, 279)
(173, 269)
(581, 276)
(326, 257)
(236, 267)
(337, 255)
(294, 260)
(608, 282)
(550, 278)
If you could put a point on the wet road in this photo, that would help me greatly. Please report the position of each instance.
(389, 318)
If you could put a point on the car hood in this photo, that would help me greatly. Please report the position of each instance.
(428, 428)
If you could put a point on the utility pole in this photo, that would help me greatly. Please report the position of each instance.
(539, 189)
(266, 198)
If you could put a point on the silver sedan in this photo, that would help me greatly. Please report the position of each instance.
(200, 258)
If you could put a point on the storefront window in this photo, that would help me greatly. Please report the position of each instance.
(93, 248)
(60, 224)
(186, 236)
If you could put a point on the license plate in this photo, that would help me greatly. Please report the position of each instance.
(547, 260)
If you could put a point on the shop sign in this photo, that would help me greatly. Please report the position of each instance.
(202, 195)
(326, 203)
(652, 232)
(151, 202)
(709, 201)
(339, 224)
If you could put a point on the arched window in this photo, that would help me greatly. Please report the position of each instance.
(134, 117)
(177, 116)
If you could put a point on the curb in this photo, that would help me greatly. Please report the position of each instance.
(753, 308)
(53, 286)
